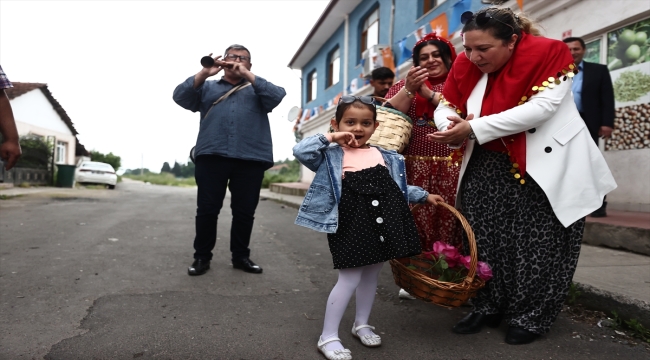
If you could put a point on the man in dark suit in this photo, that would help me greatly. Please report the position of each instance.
(594, 96)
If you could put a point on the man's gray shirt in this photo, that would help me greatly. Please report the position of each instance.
(237, 127)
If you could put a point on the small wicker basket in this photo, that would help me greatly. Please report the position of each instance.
(394, 131)
(419, 284)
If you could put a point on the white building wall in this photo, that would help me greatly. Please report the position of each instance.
(34, 114)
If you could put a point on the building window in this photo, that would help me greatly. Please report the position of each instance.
(60, 152)
(427, 5)
(593, 52)
(334, 70)
(311, 86)
(370, 31)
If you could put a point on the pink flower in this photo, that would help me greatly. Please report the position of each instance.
(451, 254)
(484, 271)
(466, 260)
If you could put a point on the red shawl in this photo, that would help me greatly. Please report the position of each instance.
(537, 63)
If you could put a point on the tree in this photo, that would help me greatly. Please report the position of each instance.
(114, 160)
(166, 168)
(176, 170)
(187, 171)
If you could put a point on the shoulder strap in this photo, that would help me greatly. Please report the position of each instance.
(225, 96)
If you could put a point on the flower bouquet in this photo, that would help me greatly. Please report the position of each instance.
(443, 276)
(449, 265)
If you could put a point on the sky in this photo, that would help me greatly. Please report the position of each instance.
(113, 65)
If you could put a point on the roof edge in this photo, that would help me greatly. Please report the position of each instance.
(313, 30)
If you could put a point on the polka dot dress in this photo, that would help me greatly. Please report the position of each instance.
(375, 223)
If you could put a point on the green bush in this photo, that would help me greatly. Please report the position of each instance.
(162, 179)
(36, 153)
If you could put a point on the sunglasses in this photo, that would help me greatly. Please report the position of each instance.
(348, 99)
(481, 19)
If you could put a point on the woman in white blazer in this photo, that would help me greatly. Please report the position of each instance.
(530, 172)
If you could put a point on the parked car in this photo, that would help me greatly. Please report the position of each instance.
(93, 172)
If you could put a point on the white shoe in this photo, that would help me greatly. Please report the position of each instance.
(344, 354)
(403, 294)
(370, 340)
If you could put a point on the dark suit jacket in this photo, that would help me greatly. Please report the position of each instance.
(597, 97)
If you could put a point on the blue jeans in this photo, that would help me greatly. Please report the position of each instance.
(244, 179)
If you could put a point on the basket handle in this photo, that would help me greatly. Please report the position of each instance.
(473, 252)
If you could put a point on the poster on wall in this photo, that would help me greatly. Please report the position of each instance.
(628, 60)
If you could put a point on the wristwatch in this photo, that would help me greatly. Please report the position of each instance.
(471, 135)
(433, 95)
(408, 93)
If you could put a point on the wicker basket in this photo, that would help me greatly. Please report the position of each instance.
(419, 284)
(394, 131)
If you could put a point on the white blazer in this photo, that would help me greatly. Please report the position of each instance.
(560, 154)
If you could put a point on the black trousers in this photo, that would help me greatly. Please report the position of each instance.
(214, 174)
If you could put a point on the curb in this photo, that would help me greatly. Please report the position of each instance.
(632, 239)
(605, 301)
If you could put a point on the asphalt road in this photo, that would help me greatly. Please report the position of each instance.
(102, 274)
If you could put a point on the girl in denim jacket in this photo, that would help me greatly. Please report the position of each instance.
(359, 197)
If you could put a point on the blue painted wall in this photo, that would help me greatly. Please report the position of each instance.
(407, 19)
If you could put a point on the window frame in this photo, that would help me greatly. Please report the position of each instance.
(363, 39)
(312, 86)
(428, 5)
(331, 76)
(60, 151)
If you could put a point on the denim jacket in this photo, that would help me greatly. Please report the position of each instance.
(319, 209)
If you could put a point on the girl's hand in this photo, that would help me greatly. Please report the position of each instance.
(434, 199)
(345, 139)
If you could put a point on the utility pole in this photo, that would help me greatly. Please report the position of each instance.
(141, 164)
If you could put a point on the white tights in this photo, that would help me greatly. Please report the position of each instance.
(363, 280)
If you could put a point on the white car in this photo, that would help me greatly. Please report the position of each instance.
(94, 172)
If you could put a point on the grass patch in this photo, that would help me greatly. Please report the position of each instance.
(163, 179)
(278, 178)
(633, 326)
(8, 197)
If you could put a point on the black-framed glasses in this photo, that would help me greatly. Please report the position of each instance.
(481, 19)
(233, 57)
(348, 99)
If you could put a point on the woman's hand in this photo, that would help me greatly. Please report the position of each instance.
(434, 199)
(427, 93)
(415, 79)
(345, 139)
(456, 132)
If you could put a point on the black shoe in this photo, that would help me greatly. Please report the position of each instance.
(199, 267)
(601, 212)
(519, 336)
(247, 265)
(473, 323)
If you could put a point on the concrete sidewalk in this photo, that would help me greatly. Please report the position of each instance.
(608, 279)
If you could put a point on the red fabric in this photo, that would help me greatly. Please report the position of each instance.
(533, 61)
